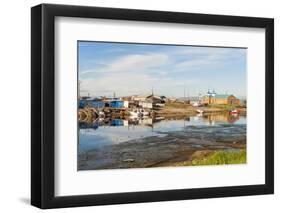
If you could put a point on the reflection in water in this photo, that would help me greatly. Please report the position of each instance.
(107, 131)
(220, 117)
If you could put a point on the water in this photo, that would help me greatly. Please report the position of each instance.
(109, 132)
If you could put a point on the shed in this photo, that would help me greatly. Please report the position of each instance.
(146, 104)
(116, 104)
(82, 104)
(97, 104)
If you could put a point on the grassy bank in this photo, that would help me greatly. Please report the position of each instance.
(174, 109)
(222, 157)
(223, 106)
(227, 106)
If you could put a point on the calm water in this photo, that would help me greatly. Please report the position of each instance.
(108, 132)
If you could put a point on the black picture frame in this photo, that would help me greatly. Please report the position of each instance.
(43, 102)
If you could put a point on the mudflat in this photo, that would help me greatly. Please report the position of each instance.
(166, 149)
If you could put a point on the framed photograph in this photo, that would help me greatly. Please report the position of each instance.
(139, 106)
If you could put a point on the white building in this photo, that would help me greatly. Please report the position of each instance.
(126, 104)
(146, 104)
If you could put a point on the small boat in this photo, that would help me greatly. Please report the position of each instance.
(135, 113)
(159, 118)
(101, 114)
(138, 112)
(233, 112)
(200, 111)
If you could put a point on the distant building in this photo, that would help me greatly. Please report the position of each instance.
(214, 98)
(97, 104)
(140, 97)
(116, 104)
(82, 104)
(194, 101)
(126, 98)
(91, 102)
(130, 104)
(150, 101)
(126, 104)
(146, 104)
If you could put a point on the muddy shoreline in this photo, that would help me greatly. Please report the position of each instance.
(167, 149)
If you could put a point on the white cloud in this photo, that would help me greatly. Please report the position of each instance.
(122, 83)
(132, 83)
(138, 73)
(201, 51)
(195, 64)
(139, 62)
(203, 57)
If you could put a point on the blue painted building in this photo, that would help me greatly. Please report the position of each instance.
(101, 104)
(97, 104)
(116, 104)
(82, 104)
(91, 103)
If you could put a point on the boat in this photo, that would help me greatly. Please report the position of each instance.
(138, 112)
(159, 118)
(200, 111)
(101, 114)
(233, 112)
(135, 113)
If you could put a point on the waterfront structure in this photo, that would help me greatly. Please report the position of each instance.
(214, 98)
(146, 104)
(97, 104)
(150, 101)
(130, 104)
(82, 104)
(140, 97)
(126, 104)
(116, 104)
(194, 101)
(89, 102)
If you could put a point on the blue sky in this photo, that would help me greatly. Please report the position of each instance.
(130, 69)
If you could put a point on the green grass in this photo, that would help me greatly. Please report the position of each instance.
(222, 157)
(223, 106)
(177, 105)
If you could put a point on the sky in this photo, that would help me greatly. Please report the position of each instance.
(105, 68)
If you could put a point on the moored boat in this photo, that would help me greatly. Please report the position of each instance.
(233, 112)
(200, 111)
(135, 113)
(138, 112)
